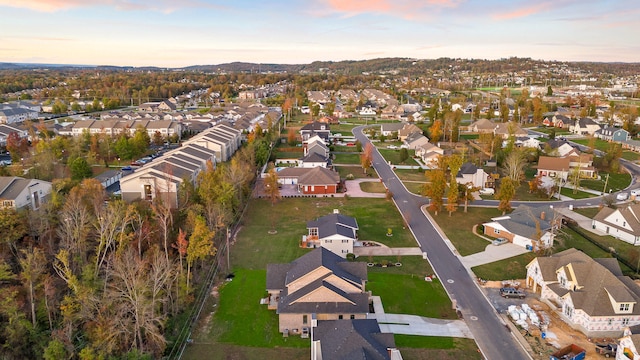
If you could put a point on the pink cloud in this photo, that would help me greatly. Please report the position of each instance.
(523, 11)
(165, 6)
(403, 8)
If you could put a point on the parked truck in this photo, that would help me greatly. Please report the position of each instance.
(570, 352)
(607, 349)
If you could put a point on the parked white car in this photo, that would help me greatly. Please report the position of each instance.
(622, 196)
(487, 191)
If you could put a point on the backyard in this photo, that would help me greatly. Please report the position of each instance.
(242, 328)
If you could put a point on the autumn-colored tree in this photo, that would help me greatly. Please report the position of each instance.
(465, 192)
(366, 157)
(291, 137)
(435, 131)
(436, 185)
(454, 162)
(181, 245)
(505, 194)
(271, 186)
(200, 244)
(16, 145)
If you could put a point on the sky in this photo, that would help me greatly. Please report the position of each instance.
(177, 33)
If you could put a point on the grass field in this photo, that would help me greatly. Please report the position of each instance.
(394, 157)
(255, 247)
(616, 182)
(630, 155)
(427, 298)
(600, 144)
(373, 187)
(414, 187)
(576, 195)
(346, 158)
(411, 175)
(355, 170)
(458, 228)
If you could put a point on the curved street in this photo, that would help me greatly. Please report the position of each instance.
(491, 334)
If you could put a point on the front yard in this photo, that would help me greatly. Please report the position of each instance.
(458, 227)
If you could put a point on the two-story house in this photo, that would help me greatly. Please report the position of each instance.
(591, 295)
(319, 284)
(335, 232)
(623, 223)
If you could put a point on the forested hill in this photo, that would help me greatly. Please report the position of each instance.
(405, 66)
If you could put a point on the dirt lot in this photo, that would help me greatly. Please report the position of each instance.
(559, 334)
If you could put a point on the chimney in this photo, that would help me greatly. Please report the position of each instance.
(542, 215)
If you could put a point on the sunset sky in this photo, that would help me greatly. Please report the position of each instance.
(176, 33)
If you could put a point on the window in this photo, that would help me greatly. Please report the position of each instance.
(624, 307)
(625, 321)
(497, 231)
(305, 319)
(352, 317)
(313, 231)
(568, 311)
(339, 317)
(609, 321)
(345, 241)
(328, 241)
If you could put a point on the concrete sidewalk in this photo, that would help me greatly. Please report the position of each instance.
(385, 251)
(417, 325)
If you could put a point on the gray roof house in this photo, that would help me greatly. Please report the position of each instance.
(320, 284)
(591, 295)
(352, 339)
(19, 193)
(335, 232)
(526, 226)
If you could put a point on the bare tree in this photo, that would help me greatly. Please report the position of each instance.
(514, 165)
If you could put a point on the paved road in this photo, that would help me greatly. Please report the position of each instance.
(490, 332)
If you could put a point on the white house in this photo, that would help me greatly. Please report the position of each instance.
(592, 295)
(621, 223)
(471, 174)
(335, 232)
(19, 193)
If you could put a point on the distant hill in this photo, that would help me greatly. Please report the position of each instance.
(405, 66)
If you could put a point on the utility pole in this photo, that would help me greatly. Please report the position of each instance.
(228, 263)
(604, 190)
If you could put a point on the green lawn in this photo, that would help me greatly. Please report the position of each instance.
(394, 157)
(549, 130)
(411, 265)
(288, 155)
(523, 194)
(427, 298)
(577, 195)
(411, 175)
(469, 136)
(432, 347)
(630, 155)
(355, 170)
(588, 212)
(458, 228)
(600, 144)
(255, 247)
(616, 182)
(414, 187)
(346, 158)
(240, 318)
(373, 187)
(348, 149)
